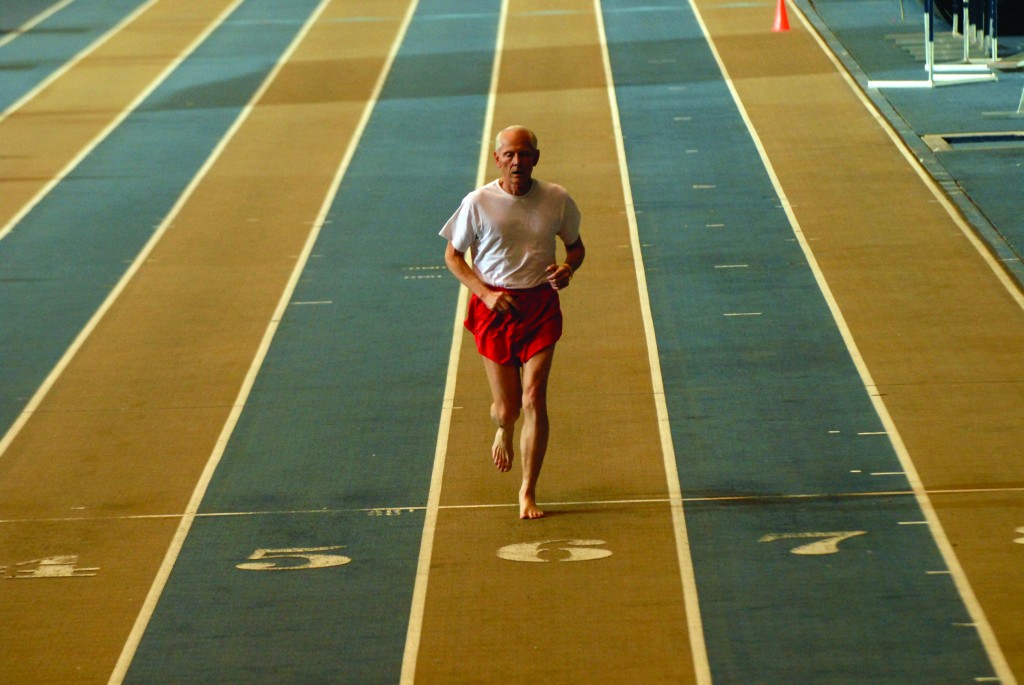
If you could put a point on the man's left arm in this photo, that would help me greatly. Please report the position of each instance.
(559, 275)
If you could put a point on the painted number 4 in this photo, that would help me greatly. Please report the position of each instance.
(294, 559)
(824, 543)
(62, 566)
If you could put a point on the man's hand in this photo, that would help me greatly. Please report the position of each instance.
(496, 300)
(499, 301)
(559, 275)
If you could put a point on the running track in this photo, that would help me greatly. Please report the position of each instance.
(243, 430)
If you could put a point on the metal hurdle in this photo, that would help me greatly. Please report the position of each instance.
(989, 34)
(941, 74)
(1007, 115)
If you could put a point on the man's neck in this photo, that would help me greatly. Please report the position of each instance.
(512, 187)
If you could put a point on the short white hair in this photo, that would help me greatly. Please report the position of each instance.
(502, 132)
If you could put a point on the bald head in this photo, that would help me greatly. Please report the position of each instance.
(516, 154)
(515, 132)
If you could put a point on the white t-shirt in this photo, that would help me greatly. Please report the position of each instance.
(512, 237)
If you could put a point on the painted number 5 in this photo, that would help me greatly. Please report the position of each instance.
(284, 559)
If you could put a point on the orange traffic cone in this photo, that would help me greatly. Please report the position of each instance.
(781, 20)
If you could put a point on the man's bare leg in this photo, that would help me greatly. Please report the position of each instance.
(506, 393)
(534, 438)
(502, 451)
(512, 393)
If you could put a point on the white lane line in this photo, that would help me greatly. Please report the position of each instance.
(122, 115)
(724, 499)
(146, 613)
(84, 334)
(970, 600)
(42, 85)
(33, 22)
(414, 632)
(940, 196)
(698, 647)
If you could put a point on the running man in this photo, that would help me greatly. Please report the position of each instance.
(509, 227)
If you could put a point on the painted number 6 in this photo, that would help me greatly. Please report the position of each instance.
(545, 550)
(312, 557)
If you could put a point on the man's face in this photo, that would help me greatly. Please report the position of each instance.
(516, 157)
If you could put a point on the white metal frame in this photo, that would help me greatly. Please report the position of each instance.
(941, 74)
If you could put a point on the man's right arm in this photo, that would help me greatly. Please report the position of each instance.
(497, 300)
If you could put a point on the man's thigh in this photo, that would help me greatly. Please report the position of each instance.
(504, 379)
(536, 371)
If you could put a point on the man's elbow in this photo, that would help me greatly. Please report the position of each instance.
(578, 250)
(452, 257)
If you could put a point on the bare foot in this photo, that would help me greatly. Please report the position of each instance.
(528, 507)
(502, 450)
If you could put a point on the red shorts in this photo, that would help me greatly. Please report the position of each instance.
(512, 338)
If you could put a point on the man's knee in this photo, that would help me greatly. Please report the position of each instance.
(505, 413)
(535, 400)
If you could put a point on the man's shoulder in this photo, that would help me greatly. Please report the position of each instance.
(484, 191)
(551, 189)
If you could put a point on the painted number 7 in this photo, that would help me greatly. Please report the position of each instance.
(827, 544)
(311, 557)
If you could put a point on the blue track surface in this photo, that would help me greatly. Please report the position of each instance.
(18, 12)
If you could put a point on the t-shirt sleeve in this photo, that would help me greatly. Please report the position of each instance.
(460, 229)
(570, 231)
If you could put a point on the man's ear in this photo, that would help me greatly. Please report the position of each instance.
(536, 157)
